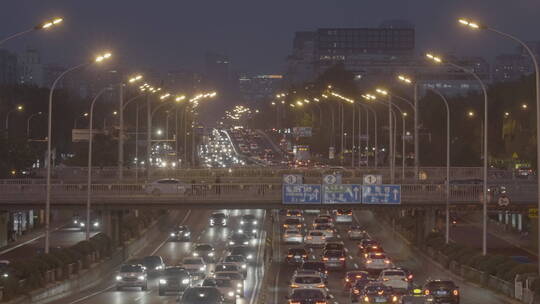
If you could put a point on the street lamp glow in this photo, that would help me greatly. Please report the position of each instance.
(382, 91)
(405, 114)
(506, 114)
(470, 114)
(49, 24)
(164, 96)
(405, 79)
(273, 103)
(115, 113)
(180, 98)
(85, 114)
(434, 58)
(102, 57)
(299, 103)
(468, 23)
(524, 106)
(136, 78)
(20, 108)
(159, 132)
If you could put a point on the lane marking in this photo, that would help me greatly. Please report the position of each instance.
(355, 265)
(350, 257)
(31, 240)
(346, 249)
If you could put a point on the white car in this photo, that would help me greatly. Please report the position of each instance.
(395, 278)
(343, 216)
(166, 186)
(315, 238)
(329, 231)
(314, 281)
(195, 266)
(357, 233)
(224, 285)
(236, 278)
(293, 236)
(377, 261)
(322, 221)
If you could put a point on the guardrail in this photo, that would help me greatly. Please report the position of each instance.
(426, 174)
(410, 193)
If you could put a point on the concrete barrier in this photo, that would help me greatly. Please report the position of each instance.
(89, 278)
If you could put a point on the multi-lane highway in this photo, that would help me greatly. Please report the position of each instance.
(173, 253)
(399, 252)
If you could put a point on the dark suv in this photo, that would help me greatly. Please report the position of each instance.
(297, 256)
(218, 219)
(442, 291)
(180, 234)
(174, 279)
(307, 296)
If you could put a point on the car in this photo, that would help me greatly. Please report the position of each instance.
(218, 219)
(180, 234)
(357, 288)
(96, 224)
(376, 292)
(238, 260)
(307, 281)
(415, 296)
(294, 213)
(372, 249)
(335, 259)
(441, 291)
(166, 186)
(224, 267)
(368, 243)
(315, 238)
(395, 278)
(236, 278)
(238, 239)
(343, 216)
(245, 251)
(352, 276)
(202, 295)
(296, 256)
(356, 232)
(248, 219)
(327, 230)
(174, 279)
(317, 266)
(307, 296)
(154, 264)
(225, 287)
(249, 230)
(5, 270)
(323, 221)
(293, 236)
(376, 262)
(131, 275)
(205, 251)
(195, 266)
(334, 246)
(291, 223)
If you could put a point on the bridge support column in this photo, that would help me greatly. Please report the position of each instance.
(4, 230)
(112, 220)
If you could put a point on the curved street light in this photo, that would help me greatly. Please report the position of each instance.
(42, 26)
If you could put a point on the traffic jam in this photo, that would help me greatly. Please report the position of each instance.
(330, 258)
(210, 272)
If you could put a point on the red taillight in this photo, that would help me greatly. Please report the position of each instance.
(426, 292)
(342, 259)
(289, 255)
(325, 259)
(455, 292)
(347, 280)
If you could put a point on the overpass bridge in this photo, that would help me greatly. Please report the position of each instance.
(244, 196)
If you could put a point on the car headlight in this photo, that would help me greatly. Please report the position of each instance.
(244, 266)
(202, 268)
(239, 285)
(75, 222)
(195, 254)
(185, 281)
(230, 294)
(141, 278)
(254, 222)
(162, 281)
(246, 242)
(82, 224)
(5, 275)
(254, 231)
(231, 243)
(172, 234)
(241, 222)
(211, 254)
(159, 267)
(240, 231)
(187, 233)
(118, 278)
(96, 224)
(250, 256)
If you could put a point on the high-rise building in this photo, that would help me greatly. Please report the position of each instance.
(8, 68)
(183, 81)
(30, 68)
(259, 88)
(512, 67)
(217, 69)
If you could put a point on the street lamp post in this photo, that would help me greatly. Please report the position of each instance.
(369, 97)
(18, 108)
(43, 26)
(474, 25)
(439, 60)
(49, 139)
(447, 186)
(89, 177)
(28, 123)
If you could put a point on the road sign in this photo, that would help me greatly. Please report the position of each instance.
(372, 179)
(332, 179)
(342, 194)
(381, 194)
(533, 213)
(292, 179)
(331, 153)
(302, 194)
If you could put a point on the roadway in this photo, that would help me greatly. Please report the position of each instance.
(400, 253)
(173, 253)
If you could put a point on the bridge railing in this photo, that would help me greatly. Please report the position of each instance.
(253, 191)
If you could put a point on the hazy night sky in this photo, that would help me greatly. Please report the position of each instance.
(257, 35)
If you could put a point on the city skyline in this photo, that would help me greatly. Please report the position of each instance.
(245, 31)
